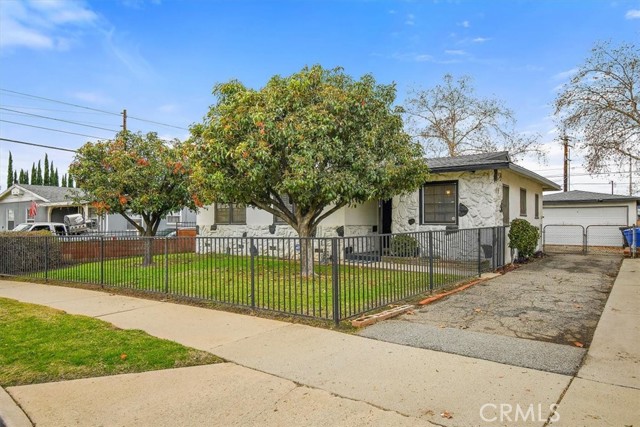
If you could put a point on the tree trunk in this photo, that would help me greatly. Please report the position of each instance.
(147, 257)
(306, 233)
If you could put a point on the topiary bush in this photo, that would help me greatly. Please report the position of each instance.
(523, 237)
(404, 245)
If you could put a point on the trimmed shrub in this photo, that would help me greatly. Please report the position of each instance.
(404, 246)
(523, 237)
(28, 252)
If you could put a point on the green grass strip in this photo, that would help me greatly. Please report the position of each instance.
(41, 344)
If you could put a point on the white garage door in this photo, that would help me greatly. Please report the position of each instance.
(605, 215)
(601, 225)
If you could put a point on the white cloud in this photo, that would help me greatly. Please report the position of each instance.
(455, 52)
(480, 39)
(92, 98)
(465, 24)
(410, 19)
(412, 56)
(564, 74)
(633, 14)
(41, 24)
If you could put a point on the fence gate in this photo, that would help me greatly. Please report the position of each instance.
(604, 239)
(562, 238)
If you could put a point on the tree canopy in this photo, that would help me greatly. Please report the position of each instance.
(318, 139)
(599, 106)
(133, 174)
(449, 119)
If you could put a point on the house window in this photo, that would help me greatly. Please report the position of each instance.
(11, 222)
(504, 206)
(230, 213)
(440, 203)
(537, 206)
(29, 218)
(289, 205)
(136, 220)
(174, 218)
(523, 202)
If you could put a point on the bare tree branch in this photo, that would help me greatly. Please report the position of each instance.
(451, 118)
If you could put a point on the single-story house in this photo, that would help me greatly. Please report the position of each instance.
(472, 191)
(38, 203)
(597, 216)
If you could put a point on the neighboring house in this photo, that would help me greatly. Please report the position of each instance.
(568, 216)
(38, 203)
(483, 190)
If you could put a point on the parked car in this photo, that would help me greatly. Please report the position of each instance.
(56, 228)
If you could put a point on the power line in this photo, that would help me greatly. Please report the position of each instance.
(157, 123)
(51, 129)
(59, 102)
(57, 119)
(90, 108)
(33, 144)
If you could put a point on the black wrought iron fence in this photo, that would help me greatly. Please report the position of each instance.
(324, 278)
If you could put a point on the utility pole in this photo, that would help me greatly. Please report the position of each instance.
(565, 141)
(124, 121)
(611, 186)
(630, 176)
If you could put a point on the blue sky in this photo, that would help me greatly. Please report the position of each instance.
(160, 59)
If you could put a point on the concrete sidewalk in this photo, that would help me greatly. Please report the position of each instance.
(281, 373)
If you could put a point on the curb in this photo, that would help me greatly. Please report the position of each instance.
(11, 415)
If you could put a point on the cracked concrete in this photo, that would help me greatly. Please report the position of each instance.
(554, 300)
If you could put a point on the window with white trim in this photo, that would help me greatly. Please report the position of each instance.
(230, 213)
(439, 203)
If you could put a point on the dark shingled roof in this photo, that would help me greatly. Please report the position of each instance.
(577, 196)
(52, 194)
(447, 164)
(484, 161)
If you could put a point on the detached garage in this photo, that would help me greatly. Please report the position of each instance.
(578, 218)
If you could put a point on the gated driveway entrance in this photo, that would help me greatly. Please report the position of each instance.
(537, 316)
(575, 238)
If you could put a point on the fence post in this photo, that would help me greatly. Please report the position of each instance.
(634, 241)
(335, 280)
(479, 252)
(431, 261)
(102, 261)
(46, 259)
(166, 265)
(253, 274)
(494, 250)
(584, 240)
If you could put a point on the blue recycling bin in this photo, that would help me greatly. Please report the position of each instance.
(628, 235)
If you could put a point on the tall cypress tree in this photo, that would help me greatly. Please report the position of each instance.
(64, 180)
(15, 177)
(34, 180)
(53, 179)
(45, 179)
(10, 171)
(39, 179)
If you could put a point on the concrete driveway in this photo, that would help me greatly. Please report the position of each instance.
(541, 315)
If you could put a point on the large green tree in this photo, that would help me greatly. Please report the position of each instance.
(133, 175)
(318, 138)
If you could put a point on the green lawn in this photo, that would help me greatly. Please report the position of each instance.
(277, 284)
(40, 344)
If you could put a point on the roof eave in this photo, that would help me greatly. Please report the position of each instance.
(547, 184)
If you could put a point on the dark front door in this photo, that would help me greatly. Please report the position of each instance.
(385, 218)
